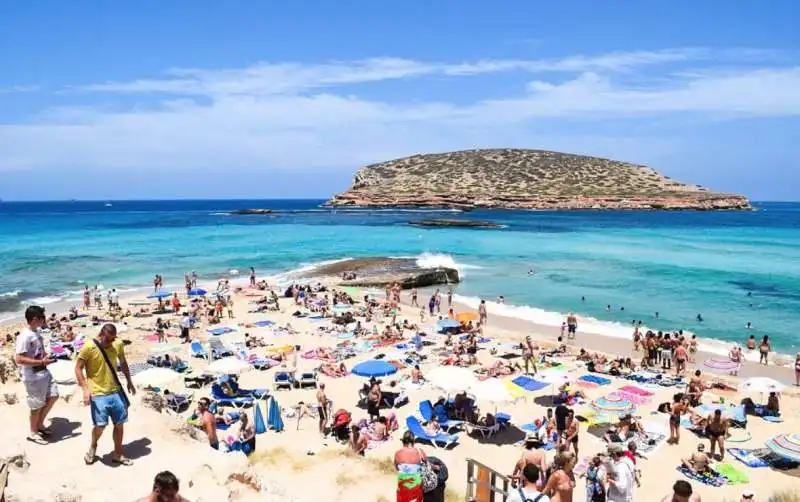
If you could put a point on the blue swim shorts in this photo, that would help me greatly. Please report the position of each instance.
(108, 406)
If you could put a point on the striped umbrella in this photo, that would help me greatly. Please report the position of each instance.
(720, 364)
(613, 404)
(786, 446)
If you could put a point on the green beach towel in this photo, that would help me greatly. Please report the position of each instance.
(734, 476)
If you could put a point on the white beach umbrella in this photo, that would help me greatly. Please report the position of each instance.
(63, 371)
(493, 390)
(165, 348)
(155, 377)
(451, 378)
(761, 385)
(228, 366)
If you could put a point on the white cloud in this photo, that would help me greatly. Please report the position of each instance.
(292, 114)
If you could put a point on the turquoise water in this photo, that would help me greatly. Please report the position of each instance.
(679, 264)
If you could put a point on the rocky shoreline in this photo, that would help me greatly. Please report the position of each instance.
(384, 271)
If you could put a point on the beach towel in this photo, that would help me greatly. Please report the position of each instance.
(264, 323)
(220, 331)
(634, 398)
(747, 457)
(529, 383)
(734, 476)
(595, 379)
(708, 478)
(774, 420)
(649, 442)
(632, 389)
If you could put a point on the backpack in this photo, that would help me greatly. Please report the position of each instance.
(526, 499)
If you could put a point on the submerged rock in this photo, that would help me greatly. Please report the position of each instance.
(384, 271)
(251, 211)
(454, 223)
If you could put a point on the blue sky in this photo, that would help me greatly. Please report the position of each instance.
(153, 99)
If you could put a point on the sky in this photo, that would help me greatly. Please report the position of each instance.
(203, 99)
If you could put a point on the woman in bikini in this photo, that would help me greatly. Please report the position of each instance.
(764, 349)
(561, 483)
(678, 409)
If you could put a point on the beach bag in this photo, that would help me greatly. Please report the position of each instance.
(122, 393)
(430, 480)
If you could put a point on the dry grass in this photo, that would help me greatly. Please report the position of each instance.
(785, 496)
(281, 456)
(383, 499)
(383, 465)
(344, 480)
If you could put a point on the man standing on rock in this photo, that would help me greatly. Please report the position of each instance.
(39, 385)
(103, 391)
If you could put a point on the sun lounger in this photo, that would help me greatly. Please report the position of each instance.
(219, 396)
(197, 381)
(308, 378)
(419, 433)
(198, 350)
(427, 411)
(283, 380)
(178, 403)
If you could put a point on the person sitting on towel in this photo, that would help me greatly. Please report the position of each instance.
(773, 408)
(699, 461)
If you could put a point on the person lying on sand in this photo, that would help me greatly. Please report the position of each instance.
(698, 461)
(502, 368)
(333, 370)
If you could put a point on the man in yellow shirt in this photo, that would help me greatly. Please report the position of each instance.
(102, 389)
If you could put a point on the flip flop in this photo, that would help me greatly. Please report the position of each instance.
(90, 457)
(36, 438)
(122, 461)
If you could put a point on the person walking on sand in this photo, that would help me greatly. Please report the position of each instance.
(482, 313)
(797, 370)
(678, 409)
(572, 326)
(32, 360)
(165, 489)
(96, 373)
(414, 298)
(764, 349)
(529, 355)
(252, 277)
(322, 411)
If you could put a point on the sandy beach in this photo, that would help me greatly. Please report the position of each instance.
(285, 462)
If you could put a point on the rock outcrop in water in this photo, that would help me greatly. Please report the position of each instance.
(525, 179)
(380, 271)
(251, 211)
(454, 223)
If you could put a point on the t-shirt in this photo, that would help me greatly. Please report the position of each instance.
(101, 379)
(31, 344)
(530, 493)
(622, 489)
(561, 417)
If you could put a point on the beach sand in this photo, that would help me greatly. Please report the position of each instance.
(295, 465)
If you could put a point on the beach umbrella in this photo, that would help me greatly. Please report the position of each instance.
(165, 348)
(62, 371)
(258, 420)
(761, 385)
(720, 364)
(447, 324)
(786, 446)
(451, 378)
(155, 377)
(613, 405)
(228, 366)
(274, 419)
(495, 391)
(197, 292)
(374, 368)
(466, 316)
(160, 294)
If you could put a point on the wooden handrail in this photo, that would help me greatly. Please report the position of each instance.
(482, 483)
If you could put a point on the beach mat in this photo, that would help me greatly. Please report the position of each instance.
(733, 475)
(598, 380)
(762, 457)
(709, 479)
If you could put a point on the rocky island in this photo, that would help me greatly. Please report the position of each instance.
(525, 179)
(384, 271)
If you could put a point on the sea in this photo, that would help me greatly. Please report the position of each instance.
(708, 273)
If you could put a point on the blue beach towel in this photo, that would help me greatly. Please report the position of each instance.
(220, 331)
(264, 323)
(595, 379)
(748, 457)
(529, 383)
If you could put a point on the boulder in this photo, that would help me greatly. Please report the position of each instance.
(10, 398)
(14, 454)
(8, 369)
(251, 211)
(384, 271)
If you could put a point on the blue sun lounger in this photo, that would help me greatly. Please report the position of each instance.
(427, 411)
(419, 433)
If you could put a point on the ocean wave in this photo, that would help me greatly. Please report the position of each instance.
(436, 260)
(11, 294)
(588, 324)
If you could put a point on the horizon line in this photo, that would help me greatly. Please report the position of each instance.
(199, 199)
